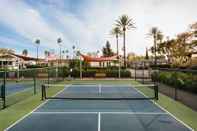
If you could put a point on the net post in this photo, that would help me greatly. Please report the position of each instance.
(43, 92)
(3, 96)
(156, 91)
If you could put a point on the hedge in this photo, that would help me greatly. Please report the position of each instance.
(109, 73)
(185, 81)
(65, 72)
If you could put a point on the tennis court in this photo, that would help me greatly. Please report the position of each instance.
(99, 108)
(14, 87)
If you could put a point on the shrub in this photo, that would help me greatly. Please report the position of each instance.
(112, 73)
(155, 76)
(109, 73)
(36, 66)
(125, 74)
(161, 66)
(88, 73)
(75, 73)
(182, 80)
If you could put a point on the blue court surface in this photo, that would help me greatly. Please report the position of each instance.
(98, 115)
(14, 87)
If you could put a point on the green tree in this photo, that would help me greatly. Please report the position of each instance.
(179, 50)
(160, 37)
(107, 51)
(125, 23)
(154, 33)
(37, 42)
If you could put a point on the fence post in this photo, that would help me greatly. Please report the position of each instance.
(4, 90)
(119, 68)
(56, 70)
(48, 77)
(156, 91)
(34, 79)
(175, 87)
(143, 72)
(80, 67)
(175, 93)
(135, 71)
(42, 92)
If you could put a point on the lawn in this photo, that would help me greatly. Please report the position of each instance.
(18, 110)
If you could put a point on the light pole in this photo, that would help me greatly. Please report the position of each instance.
(37, 46)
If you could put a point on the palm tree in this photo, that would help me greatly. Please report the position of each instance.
(46, 53)
(160, 37)
(125, 23)
(154, 31)
(25, 52)
(73, 47)
(116, 31)
(59, 41)
(37, 41)
(146, 56)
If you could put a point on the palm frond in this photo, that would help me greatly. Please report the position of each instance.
(125, 22)
(116, 31)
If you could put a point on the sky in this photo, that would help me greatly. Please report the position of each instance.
(86, 24)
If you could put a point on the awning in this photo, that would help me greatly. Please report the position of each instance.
(99, 59)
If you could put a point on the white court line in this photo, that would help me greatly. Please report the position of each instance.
(33, 111)
(84, 85)
(131, 113)
(166, 111)
(56, 85)
(37, 112)
(129, 85)
(110, 85)
(144, 85)
(100, 87)
(99, 121)
(19, 120)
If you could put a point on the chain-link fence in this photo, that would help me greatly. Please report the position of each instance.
(17, 85)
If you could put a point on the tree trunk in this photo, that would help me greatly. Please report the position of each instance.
(117, 45)
(155, 49)
(124, 48)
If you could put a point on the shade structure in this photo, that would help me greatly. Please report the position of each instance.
(26, 58)
(99, 59)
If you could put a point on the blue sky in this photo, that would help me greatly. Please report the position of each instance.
(87, 23)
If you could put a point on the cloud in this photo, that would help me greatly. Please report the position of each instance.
(87, 23)
(27, 22)
(171, 17)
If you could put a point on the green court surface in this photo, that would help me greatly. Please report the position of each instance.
(99, 115)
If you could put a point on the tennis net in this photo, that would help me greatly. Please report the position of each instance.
(101, 92)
